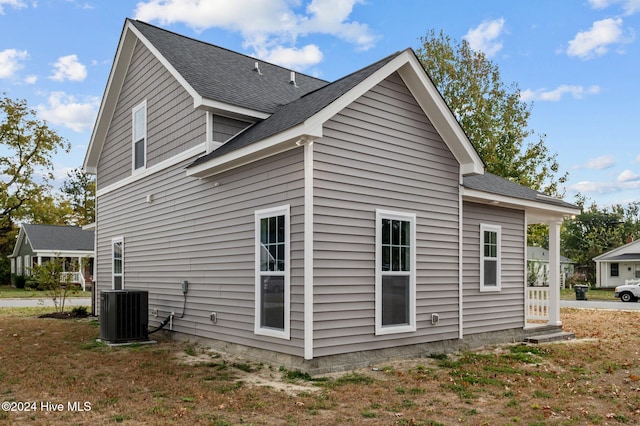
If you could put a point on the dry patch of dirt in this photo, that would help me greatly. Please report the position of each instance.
(594, 379)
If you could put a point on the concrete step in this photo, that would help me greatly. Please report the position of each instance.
(552, 337)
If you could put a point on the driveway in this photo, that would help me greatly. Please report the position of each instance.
(34, 302)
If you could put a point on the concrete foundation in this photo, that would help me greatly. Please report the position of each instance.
(363, 359)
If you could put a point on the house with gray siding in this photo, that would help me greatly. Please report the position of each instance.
(37, 244)
(320, 225)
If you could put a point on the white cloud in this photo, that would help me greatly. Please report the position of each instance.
(598, 163)
(270, 29)
(16, 4)
(293, 58)
(597, 40)
(65, 110)
(31, 79)
(586, 187)
(69, 68)
(629, 6)
(577, 92)
(628, 176)
(10, 61)
(485, 37)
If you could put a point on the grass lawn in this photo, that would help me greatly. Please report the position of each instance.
(593, 380)
(599, 294)
(12, 292)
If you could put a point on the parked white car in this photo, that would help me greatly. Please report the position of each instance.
(628, 292)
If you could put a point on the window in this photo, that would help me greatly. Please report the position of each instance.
(490, 257)
(140, 136)
(272, 272)
(637, 271)
(18, 265)
(615, 269)
(117, 250)
(395, 272)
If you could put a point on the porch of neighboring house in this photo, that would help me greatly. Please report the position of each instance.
(76, 270)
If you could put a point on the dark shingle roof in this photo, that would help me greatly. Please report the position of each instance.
(297, 111)
(227, 76)
(58, 237)
(494, 184)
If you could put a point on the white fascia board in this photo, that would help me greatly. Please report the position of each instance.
(272, 145)
(229, 110)
(156, 168)
(538, 211)
(440, 115)
(63, 253)
(110, 98)
(19, 242)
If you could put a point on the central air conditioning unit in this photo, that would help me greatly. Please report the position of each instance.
(124, 316)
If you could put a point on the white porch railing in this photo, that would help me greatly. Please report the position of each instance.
(632, 282)
(73, 277)
(537, 304)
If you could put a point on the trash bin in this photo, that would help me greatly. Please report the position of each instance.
(581, 291)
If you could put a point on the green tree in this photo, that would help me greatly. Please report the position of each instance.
(597, 230)
(26, 168)
(80, 191)
(491, 113)
(50, 277)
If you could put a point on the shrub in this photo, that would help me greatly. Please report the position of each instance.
(79, 311)
(18, 280)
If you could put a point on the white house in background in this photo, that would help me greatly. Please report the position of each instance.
(615, 267)
(37, 244)
(538, 267)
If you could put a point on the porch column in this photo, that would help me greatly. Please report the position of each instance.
(554, 273)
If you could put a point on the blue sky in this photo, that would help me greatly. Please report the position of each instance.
(577, 61)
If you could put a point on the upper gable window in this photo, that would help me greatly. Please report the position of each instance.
(490, 257)
(139, 115)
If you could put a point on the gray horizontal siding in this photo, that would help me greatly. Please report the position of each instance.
(502, 310)
(381, 152)
(224, 127)
(173, 125)
(197, 231)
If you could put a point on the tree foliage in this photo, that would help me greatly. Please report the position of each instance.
(597, 230)
(491, 113)
(26, 167)
(80, 192)
(27, 146)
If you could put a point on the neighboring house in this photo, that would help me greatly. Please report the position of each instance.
(538, 267)
(619, 265)
(37, 244)
(325, 225)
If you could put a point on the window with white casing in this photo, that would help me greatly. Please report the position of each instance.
(272, 250)
(117, 265)
(395, 285)
(139, 136)
(490, 258)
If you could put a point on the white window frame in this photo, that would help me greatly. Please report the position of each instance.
(19, 265)
(115, 241)
(401, 328)
(284, 333)
(134, 110)
(484, 227)
(27, 264)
